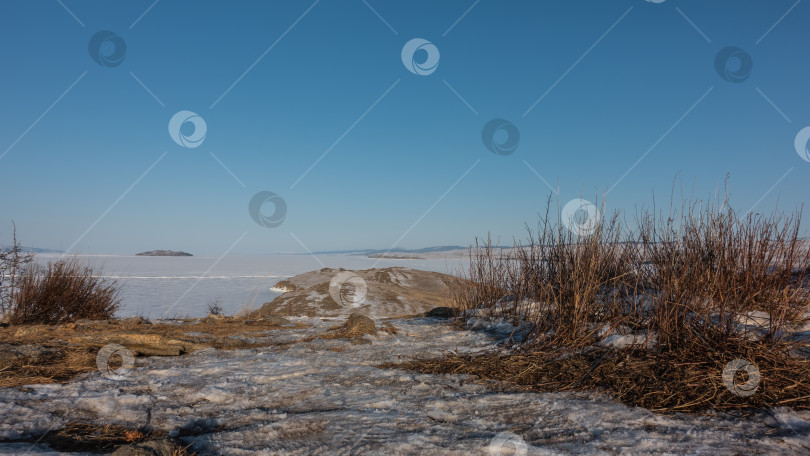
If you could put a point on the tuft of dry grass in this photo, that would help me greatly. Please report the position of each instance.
(76, 436)
(85, 437)
(690, 278)
(354, 328)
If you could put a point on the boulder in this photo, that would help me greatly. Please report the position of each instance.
(441, 312)
(358, 324)
(137, 320)
(151, 344)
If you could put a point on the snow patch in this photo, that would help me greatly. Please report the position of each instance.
(328, 397)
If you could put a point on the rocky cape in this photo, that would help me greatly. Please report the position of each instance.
(388, 292)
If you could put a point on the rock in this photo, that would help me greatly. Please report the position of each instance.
(269, 319)
(157, 350)
(85, 323)
(377, 293)
(150, 448)
(358, 324)
(441, 312)
(151, 344)
(137, 320)
(90, 325)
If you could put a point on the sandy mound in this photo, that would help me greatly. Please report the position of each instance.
(374, 292)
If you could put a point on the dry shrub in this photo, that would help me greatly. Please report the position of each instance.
(709, 270)
(63, 291)
(13, 260)
(693, 278)
(566, 285)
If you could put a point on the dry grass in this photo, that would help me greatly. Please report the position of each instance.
(354, 328)
(72, 348)
(60, 367)
(689, 278)
(671, 381)
(77, 436)
(85, 437)
(65, 290)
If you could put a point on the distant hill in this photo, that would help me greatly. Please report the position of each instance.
(30, 249)
(397, 256)
(439, 248)
(427, 253)
(164, 253)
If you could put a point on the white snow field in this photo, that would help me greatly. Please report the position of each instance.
(326, 397)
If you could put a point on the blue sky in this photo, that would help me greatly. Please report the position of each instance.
(88, 161)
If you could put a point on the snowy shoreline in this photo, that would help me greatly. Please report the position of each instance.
(327, 397)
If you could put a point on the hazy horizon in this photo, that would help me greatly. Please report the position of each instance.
(316, 126)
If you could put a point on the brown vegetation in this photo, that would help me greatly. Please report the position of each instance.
(689, 280)
(85, 437)
(57, 353)
(63, 291)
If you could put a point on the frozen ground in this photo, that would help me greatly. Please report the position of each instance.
(326, 397)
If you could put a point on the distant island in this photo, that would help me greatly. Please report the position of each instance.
(164, 253)
(397, 256)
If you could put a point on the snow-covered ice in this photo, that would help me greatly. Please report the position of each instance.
(327, 397)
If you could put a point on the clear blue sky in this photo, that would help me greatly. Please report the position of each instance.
(617, 77)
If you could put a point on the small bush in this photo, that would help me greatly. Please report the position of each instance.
(214, 308)
(13, 260)
(63, 291)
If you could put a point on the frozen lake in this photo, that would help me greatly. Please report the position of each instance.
(162, 287)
